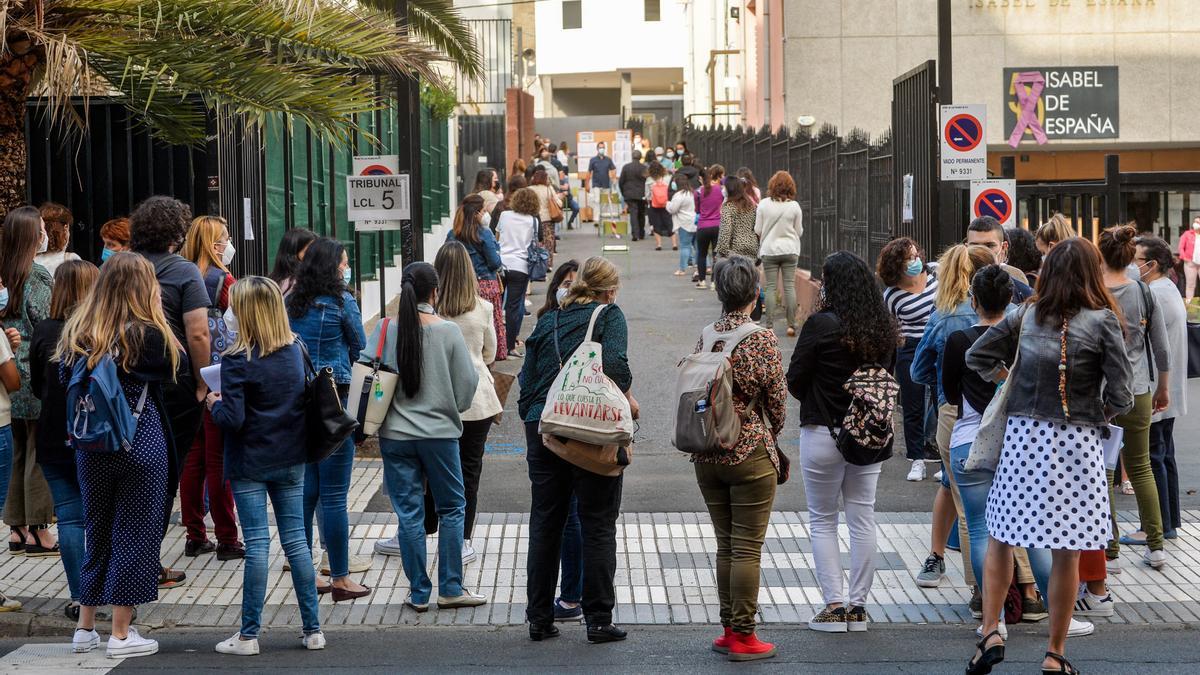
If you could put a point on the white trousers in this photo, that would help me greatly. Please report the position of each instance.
(828, 477)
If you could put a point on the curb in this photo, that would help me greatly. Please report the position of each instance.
(29, 624)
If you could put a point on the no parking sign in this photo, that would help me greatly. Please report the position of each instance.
(995, 198)
(964, 152)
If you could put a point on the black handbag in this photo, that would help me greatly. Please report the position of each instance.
(328, 425)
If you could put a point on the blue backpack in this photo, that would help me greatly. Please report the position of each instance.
(98, 416)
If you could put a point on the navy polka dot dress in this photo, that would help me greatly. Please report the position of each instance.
(1050, 490)
(123, 496)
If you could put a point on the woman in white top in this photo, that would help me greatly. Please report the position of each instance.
(58, 220)
(517, 229)
(779, 225)
(682, 208)
(459, 302)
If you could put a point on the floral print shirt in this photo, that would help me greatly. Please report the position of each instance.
(757, 369)
(25, 406)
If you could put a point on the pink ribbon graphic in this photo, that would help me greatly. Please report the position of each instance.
(1027, 118)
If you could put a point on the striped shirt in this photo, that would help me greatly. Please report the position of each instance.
(911, 310)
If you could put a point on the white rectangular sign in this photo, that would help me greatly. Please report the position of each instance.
(906, 211)
(996, 198)
(381, 197)
(376, 166)
(963, 146)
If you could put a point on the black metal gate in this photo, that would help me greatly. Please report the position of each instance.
(824, 211)
(106, 173)
(915, 154)
(480, 145)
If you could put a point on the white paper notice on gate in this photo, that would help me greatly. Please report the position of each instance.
(963, 149)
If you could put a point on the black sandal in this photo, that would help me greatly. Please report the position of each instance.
(988, 656)
(16, 547)
(1064, 666)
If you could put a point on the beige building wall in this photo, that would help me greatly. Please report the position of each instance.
(842, 55)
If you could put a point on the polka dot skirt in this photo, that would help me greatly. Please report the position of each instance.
(1050, 489)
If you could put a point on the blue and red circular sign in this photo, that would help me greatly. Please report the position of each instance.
(375, 170)
(994, 203)
(964, 132)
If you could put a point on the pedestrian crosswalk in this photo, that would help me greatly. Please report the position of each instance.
(55, 659)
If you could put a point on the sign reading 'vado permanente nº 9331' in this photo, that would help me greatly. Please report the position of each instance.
(1069, 102)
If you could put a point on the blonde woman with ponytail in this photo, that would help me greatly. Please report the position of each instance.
(956, 268)
(123, 492)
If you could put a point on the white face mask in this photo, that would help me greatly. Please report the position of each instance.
(487, 219)
(560, 295)
(227, 254)
(44, 243)
(231, 321)
(1196, 224)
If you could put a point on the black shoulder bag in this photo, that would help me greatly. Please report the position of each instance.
(328, 425)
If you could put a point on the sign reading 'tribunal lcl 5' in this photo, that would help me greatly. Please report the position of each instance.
(1070, 102)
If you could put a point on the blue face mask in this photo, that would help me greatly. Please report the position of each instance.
(105, 255)
(3, 299)
(347, 276)
(914, 267)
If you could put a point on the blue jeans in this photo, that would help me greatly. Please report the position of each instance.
(406, 467)
(6, 450)
(973, 487)
(328, 482)
(286, 489)
(687, 244)
(68, 509)
(570, 587)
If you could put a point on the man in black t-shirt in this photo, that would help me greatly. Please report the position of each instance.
(157, 228)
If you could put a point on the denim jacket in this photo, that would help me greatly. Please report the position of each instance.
(927, 362)
(332, 333)
(1098, 369)
(485, 256)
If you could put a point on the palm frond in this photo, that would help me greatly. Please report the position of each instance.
(439, 23)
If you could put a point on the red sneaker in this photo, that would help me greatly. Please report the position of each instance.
(721, 644)
(749, 648)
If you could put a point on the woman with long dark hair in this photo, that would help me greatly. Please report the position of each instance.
(326, 317)
(29, 506)
(419, 438)
(752, 191)
(737, 236)
(1150, 358)
(487, 186)
(1072, 376)
(289, 256)
(710, 199)
(852, 328)
(469, 230)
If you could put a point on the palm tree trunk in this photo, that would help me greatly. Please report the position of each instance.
(16, 72)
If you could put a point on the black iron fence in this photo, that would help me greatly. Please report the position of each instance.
(843, 184)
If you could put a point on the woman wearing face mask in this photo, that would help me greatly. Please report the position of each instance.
(115, 235)
(567, 606)
(324, 313)
(471, 230)
(29, 505)
(1189, 254)
(909, 296)
(58, 234)
(207, 244)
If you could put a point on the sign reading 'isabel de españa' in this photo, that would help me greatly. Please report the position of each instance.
(1069, 102)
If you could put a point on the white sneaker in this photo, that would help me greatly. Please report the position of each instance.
(1089, 604)
(238, 647)
(420, 607)
(1113, 566)
(85, 641)
(917, 472)
(358, 564)
(1155, 559)
(1080, 628)
(1002, 628)
(467, 599)
(938, 476)
(314, 641)
(388, 546)
(132, 645)
(468, 553)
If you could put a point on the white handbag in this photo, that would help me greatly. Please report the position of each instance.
(584, 404)
(371, 390)
(989, 441)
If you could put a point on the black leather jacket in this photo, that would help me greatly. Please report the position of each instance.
(1098, 369)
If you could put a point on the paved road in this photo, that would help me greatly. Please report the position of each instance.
(917, 649)
(665, 316)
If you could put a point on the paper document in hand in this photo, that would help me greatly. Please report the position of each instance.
(212, 377)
